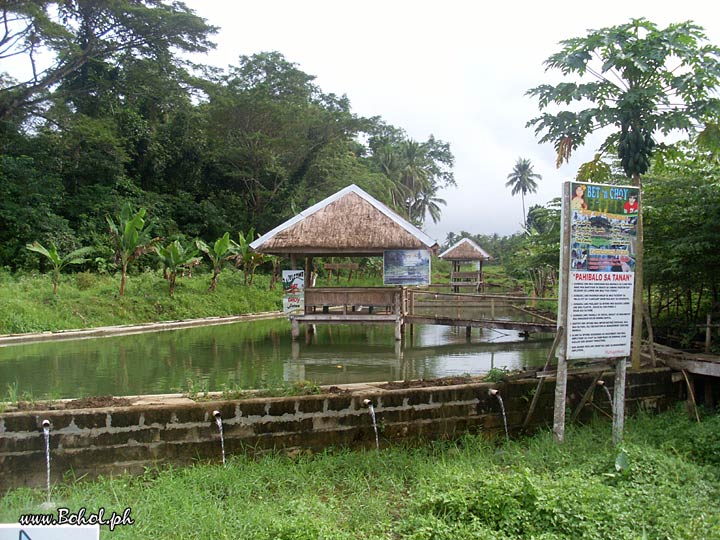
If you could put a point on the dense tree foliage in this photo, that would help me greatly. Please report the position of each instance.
(640, 80)
(107, 114)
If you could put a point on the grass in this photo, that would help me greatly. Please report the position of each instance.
(666, 487)
(88, 300)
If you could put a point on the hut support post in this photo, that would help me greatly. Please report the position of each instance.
(295, 328)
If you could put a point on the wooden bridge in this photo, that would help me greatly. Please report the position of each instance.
(401, 306)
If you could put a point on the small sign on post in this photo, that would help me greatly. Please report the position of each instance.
(293, 282)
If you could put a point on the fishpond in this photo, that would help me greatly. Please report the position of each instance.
(256, 354)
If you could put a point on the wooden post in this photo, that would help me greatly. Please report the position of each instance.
(561, 377)
(708, 333)
(619, 401)
(651, 336)
(541, 381)
(586, 396)
(691, 395)
(295, 331)
(560, 399)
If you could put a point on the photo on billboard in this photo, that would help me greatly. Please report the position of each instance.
(406, 267)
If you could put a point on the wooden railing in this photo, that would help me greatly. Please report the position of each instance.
(355, 299)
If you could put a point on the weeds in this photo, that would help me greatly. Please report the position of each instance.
(468, 488)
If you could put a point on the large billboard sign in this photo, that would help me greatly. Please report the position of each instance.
(599, 265)
(406, 267)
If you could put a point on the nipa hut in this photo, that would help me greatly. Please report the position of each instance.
(350, 223)
(465, 251)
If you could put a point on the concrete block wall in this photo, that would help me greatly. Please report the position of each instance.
(104, 441)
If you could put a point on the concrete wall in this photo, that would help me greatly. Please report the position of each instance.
(127, 439)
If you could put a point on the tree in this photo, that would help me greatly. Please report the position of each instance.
(219, 254)
(426, 203)
(85, 36)
(174, 258)
(522, 180)
(130, 239)
(58, 262)
(247, 259)
(640, 80)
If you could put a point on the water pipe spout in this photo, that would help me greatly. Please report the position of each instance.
(600, 383)
(493, 392)
(217, 415)
(366, 402)
(46, 424)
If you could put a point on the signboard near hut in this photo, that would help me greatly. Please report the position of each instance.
(601, 258)
(406, 267)
(293, 282)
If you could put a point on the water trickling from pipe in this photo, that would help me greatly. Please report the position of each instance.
(218, 421)
(496, 393)
(370, 407)
(46, 435)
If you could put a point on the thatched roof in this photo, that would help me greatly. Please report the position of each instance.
(465, 250)
(348, 223)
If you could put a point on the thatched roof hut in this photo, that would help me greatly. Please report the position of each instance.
(348, 223)
(465, 250)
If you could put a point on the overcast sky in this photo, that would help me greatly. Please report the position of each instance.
(457, 70)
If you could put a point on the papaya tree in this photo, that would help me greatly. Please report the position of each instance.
(632, 82)
(130, 238)
(175, 258)
(58, 262)
(222, 251)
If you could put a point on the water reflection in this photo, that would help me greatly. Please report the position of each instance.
(254, 355)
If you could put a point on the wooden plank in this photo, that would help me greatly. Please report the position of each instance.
(711, 369)
(483, 323)
(319, 318)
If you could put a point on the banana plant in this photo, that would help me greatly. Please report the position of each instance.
(130, 238)
(222, 251)
(174, 258)
(247, 259)
(58, 262)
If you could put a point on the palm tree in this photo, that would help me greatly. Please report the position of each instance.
(522, 179)
(427, 203)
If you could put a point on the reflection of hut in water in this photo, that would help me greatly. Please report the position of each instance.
(466, 252)
(349, 223)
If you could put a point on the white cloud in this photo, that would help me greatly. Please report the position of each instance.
(458, 70)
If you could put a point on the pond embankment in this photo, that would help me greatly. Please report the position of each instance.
(159, 430)
(129, 329)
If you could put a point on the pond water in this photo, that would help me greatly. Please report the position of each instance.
(255, 355)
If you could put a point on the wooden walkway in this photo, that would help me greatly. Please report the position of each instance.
(400, 307)
(527, 327)
(697, 363)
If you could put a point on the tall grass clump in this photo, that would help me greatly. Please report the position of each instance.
(654, 486)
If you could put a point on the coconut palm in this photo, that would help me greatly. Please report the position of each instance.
(426, 203)
(522, 180)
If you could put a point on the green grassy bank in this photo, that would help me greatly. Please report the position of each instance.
(663, 483)
(87, 300)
